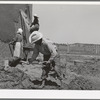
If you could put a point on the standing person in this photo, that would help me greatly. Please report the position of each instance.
(35, 24)
(18, 43)
(18, 48)
(33, 27)
(47, 48)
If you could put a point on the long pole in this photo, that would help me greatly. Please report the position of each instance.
(10, 50)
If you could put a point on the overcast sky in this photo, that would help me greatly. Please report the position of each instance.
(64, 23)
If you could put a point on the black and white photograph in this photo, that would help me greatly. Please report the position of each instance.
(50, 46)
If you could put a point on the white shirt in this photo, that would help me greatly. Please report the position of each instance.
(46, 48)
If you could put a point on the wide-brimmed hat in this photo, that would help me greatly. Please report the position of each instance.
(35, 36)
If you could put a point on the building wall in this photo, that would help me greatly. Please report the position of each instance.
(9, 18)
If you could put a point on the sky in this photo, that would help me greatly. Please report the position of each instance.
(69, 23)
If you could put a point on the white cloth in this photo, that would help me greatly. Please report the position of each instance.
(17, 51)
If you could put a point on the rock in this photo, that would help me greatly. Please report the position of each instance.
(19, 86)
(33, 71)
(27, 84)
(6, 85)
(80, 83)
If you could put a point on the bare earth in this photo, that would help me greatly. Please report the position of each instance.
(78, 72)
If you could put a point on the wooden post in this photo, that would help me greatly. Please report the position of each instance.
(68, 48)
(96, 49)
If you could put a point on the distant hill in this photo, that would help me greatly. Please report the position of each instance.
(79, 48)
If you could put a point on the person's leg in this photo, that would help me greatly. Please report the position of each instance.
(45, 71)
(14, 61)
(46, 57)
(25, 54)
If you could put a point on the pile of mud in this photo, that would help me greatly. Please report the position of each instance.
(14, 79)
(75, 76)
(80, 83)
(91, 69)
(29, 77)
(25, 77)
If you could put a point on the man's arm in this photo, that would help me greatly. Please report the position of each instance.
(52, 51)
(35, 54)
(34, 27)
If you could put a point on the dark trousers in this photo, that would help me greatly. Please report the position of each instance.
(46, 57)
(14, 61)
(47, 67)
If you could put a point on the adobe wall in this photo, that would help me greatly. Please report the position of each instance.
(9, 17)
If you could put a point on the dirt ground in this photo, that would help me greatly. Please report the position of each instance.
(78, 72)
(76, 75)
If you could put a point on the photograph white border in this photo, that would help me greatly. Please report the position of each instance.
(50, 94)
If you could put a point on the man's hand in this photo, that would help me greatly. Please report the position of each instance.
(30, 60)
(51, 62)
(48, 62)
